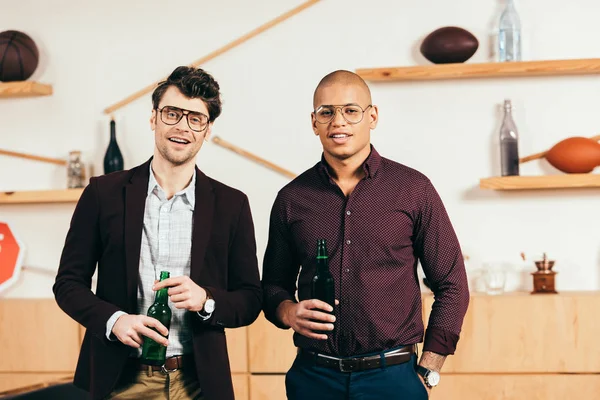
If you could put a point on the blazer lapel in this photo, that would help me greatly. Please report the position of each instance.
(135, 203)
(203, 220)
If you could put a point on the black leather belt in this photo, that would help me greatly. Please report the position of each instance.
(354, 364)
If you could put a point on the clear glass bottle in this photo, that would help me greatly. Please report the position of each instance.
(509, 34)
(75, 170)
(509, 143)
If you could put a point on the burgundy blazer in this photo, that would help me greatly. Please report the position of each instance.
(106, 230)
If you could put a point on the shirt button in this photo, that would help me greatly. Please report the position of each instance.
(347, 270)
(348, 242)
(348, 212)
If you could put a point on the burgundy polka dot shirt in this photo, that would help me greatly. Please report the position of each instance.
(375, 237)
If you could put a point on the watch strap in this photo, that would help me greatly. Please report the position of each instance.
(422, 371)
(202, 313)
(425, 372)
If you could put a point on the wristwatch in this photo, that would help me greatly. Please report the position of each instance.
(208, 308)
(431, 378)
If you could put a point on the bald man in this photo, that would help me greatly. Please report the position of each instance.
(379, 218)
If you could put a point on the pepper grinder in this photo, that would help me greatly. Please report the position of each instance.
(543, 278)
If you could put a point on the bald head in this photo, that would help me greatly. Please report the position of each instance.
(344, 78)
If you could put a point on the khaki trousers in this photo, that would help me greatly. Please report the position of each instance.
(156, 385)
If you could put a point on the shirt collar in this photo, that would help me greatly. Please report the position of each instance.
(189, 193)
(370, 166)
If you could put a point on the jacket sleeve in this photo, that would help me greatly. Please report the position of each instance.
(241, 303)
(81, 252)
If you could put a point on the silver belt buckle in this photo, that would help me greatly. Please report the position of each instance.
(166, 371)
(341, 365)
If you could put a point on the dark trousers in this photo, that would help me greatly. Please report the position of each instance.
(306, 381)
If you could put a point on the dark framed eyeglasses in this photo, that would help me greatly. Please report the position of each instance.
(172, 115)
(352, 113)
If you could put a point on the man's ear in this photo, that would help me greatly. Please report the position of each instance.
(153, 120)
(208, 132)
(374, 117)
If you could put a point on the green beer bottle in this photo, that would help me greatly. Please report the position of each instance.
(155, 353)
(323, 287)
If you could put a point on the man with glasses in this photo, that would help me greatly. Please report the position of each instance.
(379, 218)
(164, 215)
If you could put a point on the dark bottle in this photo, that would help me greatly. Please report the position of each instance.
(113, 160)
(323, 287)
(509, 143)
(154, 353)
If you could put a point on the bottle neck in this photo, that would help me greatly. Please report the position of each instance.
(162, 296)
(322, 256)
(113, 131)
(322, 263)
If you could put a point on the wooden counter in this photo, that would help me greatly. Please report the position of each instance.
(513, 346)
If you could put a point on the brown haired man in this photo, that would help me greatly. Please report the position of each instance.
(162, 215)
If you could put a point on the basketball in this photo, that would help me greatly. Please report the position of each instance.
(19, 56)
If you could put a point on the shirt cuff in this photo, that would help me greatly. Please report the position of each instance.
(110, 323)
(440, 341)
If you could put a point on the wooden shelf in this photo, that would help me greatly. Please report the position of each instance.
(567, 181)
(24, 89)
(41, 196)
(483, 70)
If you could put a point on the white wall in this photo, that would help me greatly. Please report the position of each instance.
(96, 53)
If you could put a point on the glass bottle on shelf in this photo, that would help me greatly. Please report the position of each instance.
(509, 34)
(509, 143)
(75, 170)
(113, 159)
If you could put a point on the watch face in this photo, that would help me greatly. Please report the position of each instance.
(209, 306)
(433, 378)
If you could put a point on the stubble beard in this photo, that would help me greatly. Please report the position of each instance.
(177, 159)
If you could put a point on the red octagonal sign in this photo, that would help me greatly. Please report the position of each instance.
(11, 257)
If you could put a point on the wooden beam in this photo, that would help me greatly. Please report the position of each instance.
(218, 52)
(217, 140)
(33, 157)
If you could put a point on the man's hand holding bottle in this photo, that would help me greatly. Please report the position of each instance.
(308, 317)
